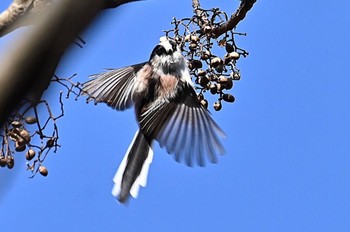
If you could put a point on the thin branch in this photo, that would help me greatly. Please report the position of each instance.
(235, 18)
(196, 7)
(201, 16)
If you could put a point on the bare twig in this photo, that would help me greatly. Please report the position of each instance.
(201, 15)
(196, 7)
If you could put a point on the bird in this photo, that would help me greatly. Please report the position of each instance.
(167, 111)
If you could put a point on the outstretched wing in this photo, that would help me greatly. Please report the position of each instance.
(114, 87)
(184, 127)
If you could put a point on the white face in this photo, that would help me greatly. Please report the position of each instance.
(169, 53)
(171, 61)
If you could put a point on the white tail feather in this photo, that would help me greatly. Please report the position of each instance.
(141, 180)
(118, 177)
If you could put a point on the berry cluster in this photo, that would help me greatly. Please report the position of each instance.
(35, 135)
(212, 73)
(26, 133)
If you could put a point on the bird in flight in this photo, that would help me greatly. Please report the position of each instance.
(167, 111)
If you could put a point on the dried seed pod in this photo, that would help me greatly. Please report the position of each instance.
(192, 38)
(190, 65)
(3, 161)
(201, 72)
(25, 135)
(20, 146)
(30, 154)
(13, 135)
(217, 105)
(187, 38)
(195, 38)
(196, 64)
(30, 120)
(50, 143)
(226, 82)
(9, 158)
(43, 170)
(200, 96)
(228, 97)
(216, 61)
(219, 87)
(207, 29)
(235, 76)
(220, 68)
(227, 60)
(16, 123)
(211, 77)
(204, 103)
(203, 81)
(205, 55)
(192, 46)
(213, 88)
(20, 140)
(233, 55)
(229, 48)
(10, 161)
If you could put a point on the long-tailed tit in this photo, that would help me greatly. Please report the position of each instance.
(167, 110)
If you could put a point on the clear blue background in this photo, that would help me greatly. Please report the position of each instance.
(287, 166)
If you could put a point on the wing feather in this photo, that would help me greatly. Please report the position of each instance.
(114, 87)
(185, 128)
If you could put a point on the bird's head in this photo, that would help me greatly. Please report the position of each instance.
(166, 48)
(167, 58)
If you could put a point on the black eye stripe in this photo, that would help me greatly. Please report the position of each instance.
(173, 44)
(159, 50)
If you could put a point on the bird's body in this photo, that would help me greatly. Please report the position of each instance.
(167, 110)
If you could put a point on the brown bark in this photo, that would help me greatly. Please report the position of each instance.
(28, 66)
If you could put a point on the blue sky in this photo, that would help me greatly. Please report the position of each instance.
(287, 166)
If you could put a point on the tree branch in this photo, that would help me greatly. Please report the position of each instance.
(199, 12)
(28, 66)
(12, 17)
(115, 3)
(235, 18)
(20, 12)
(196, 7)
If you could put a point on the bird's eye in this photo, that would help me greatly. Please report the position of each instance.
(173, 44)
(158, 50)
